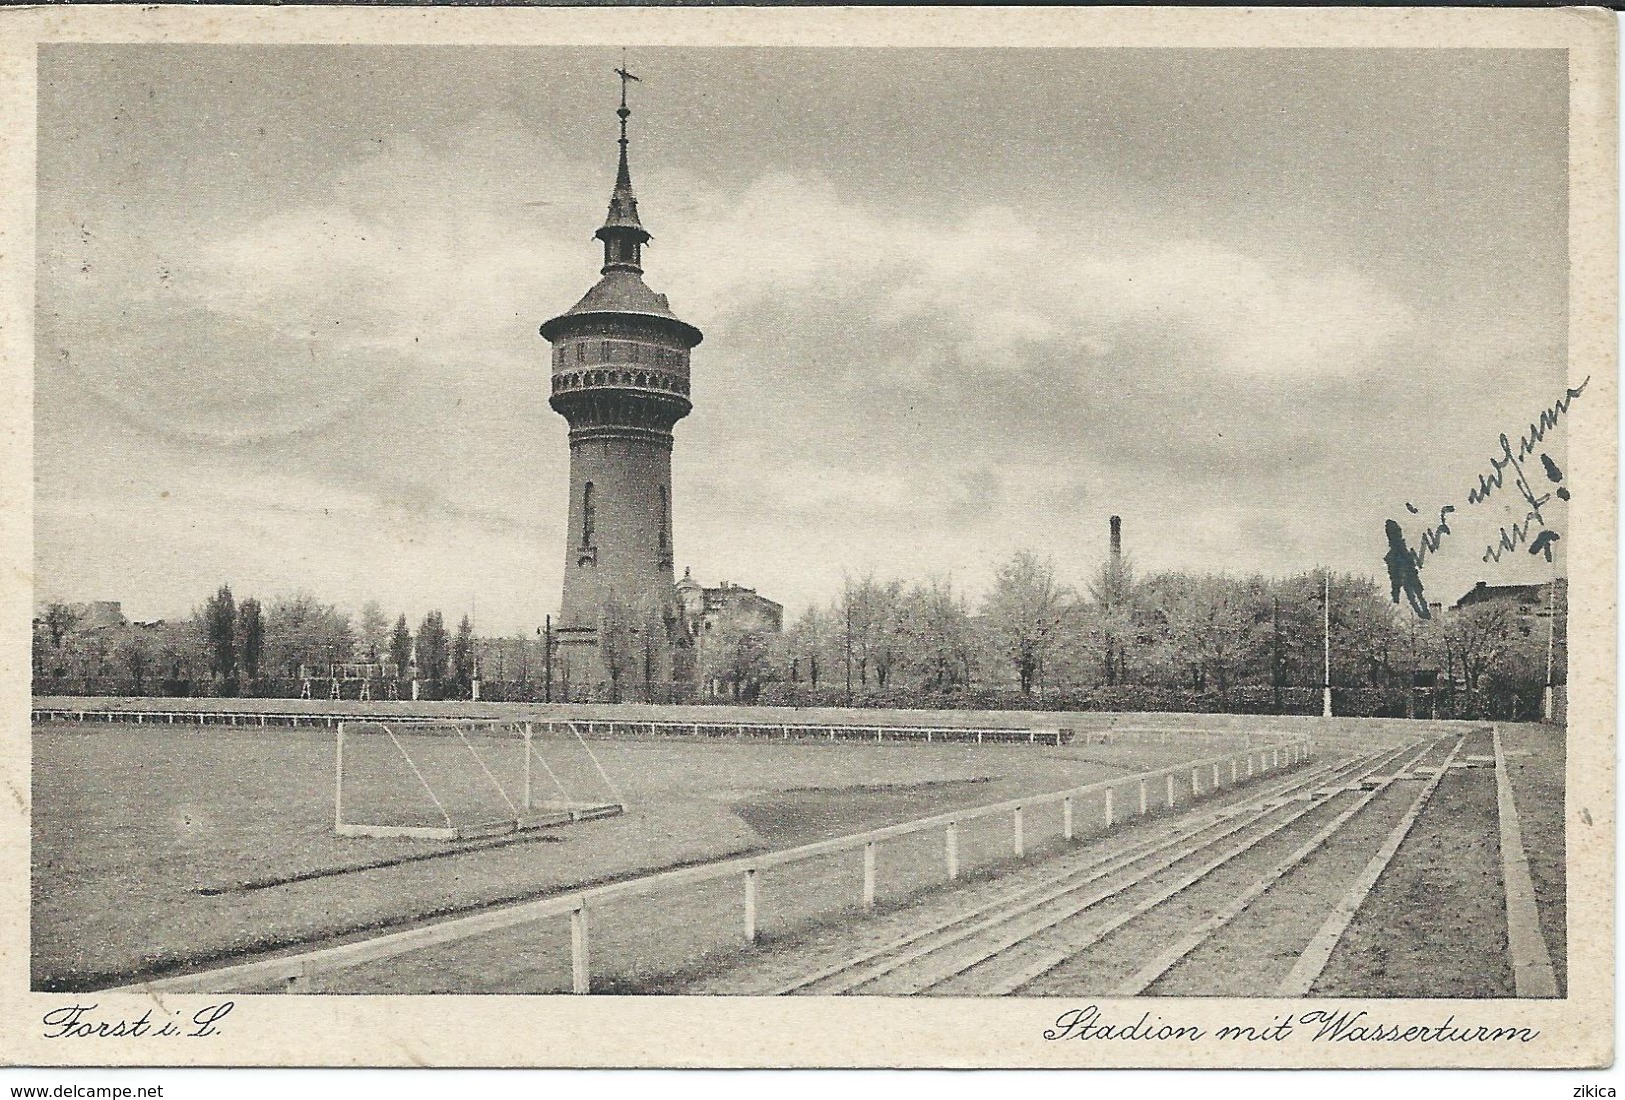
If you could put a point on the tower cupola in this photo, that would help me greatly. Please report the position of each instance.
(623, 235)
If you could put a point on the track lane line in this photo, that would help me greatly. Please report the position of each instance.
(1136, 984)
(1313, 961)
(1532, 972)
(1051, 959)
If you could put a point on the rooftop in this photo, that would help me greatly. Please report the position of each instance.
(623, 292)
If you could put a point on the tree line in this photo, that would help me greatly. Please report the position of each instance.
(1242, 642)
(227, 647)
(1033, 634)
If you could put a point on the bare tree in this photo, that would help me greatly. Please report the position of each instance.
(1210, 626)
(1110, 622)
(617, 642)
(59, 620)
(374, 628)
(1024, 612)
(134, 651)
(872, 622)
(736, 654)
(301, 630)
(941, 641)
(1474, 637)
(810, 645)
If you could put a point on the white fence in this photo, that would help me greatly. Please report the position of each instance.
(586, 727)
(718, 729)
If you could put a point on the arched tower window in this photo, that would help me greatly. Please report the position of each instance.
(586, 515)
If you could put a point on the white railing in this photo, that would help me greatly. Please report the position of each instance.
(700, 729)
(294, 972)
(589, 727)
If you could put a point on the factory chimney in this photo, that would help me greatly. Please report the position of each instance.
(1117, 543)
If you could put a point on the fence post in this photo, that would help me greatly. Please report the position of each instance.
(1170, 790)
(527, 768)
(1021, 849)
(1108, 807)
(1144, 803)
(953, 850)
(1066, 818)
(750, 905)
(580, 976)
(338, 783)
(1234, 769)
(869, 875)
(1196, 786)
(1249, 765)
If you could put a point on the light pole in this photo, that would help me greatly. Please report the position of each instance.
(547, 660)
(1326, 682)
(848, 602)
(1548, 697)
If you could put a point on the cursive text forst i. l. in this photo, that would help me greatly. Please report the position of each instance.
(82, 1021)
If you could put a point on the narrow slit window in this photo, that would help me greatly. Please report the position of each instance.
(586, 515)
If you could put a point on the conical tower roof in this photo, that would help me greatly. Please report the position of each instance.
(623, 203)
(622, 290)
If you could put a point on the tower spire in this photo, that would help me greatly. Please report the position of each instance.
(623, 235)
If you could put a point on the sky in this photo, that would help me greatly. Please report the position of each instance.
(956, 303)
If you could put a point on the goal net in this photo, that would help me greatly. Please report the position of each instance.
(450, 780)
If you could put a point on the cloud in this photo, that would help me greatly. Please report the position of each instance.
(883, 385)
(992, 283)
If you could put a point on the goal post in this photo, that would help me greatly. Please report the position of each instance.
(460, 779)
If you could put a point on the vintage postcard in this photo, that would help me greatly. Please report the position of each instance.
(808, 537)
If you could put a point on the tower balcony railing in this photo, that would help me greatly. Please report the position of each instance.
(652, 380)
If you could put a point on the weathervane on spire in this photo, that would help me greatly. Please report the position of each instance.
(625, 111)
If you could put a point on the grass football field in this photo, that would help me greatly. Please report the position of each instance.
(157, 847)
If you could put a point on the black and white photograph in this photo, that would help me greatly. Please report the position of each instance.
(1083, 527)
